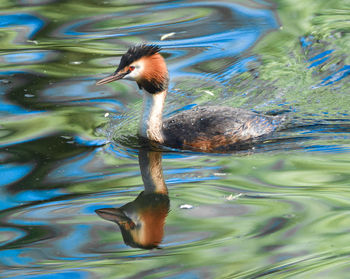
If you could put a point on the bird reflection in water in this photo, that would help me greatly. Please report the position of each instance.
(142, 221)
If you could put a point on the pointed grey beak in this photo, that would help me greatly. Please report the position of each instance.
(111, 78)
(116, 215)
(111, 214)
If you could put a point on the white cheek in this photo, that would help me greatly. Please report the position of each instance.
(133, 75)
(136, 73)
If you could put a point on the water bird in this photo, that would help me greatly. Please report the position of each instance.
(142, 221)
(202, 128)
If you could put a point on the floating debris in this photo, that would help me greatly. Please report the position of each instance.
(220, 174)
(33, 42)
(106, 114)
(186, 206)
(29, 95)
(233, 197)
(76, 62)
(165, 36)
(209, 92)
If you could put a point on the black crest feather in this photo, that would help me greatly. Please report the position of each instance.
(134, 53)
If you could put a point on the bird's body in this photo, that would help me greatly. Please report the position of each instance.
(205, 128)
(215, 128)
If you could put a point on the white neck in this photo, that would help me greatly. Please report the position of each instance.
(152, 172)
(151, 120)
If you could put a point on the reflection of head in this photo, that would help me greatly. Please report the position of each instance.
(140, 221)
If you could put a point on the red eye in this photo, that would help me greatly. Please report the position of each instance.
(131, 68)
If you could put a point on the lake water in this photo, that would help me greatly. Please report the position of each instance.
(277, 209)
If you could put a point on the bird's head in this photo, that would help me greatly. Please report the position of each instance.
(140, 221)
(143, 64)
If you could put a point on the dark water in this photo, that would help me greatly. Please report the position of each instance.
(278, 209)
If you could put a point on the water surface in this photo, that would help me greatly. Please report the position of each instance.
(277, 209)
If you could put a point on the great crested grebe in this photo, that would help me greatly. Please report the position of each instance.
(204, 128)
(142, 220)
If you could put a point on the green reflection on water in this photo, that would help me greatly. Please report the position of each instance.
(285, 65)
(76, 120)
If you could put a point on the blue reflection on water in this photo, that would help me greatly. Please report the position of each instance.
(190, 179)
(27, 196)
(321, 55)
(57, 275)
(231, 43)
(71, 245)
(74, 168)
(319, 62)
(10, 173)
(84, 167)
(305, 42)
(223, 44)
(80, 92)
(320, 59)
(15, 257)
(337, 76)
(330, 148)
(27, 57)
(32, 22)
(217, 41)
(37, 195)
(89, 142)
(237, 68)
(6, 108)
